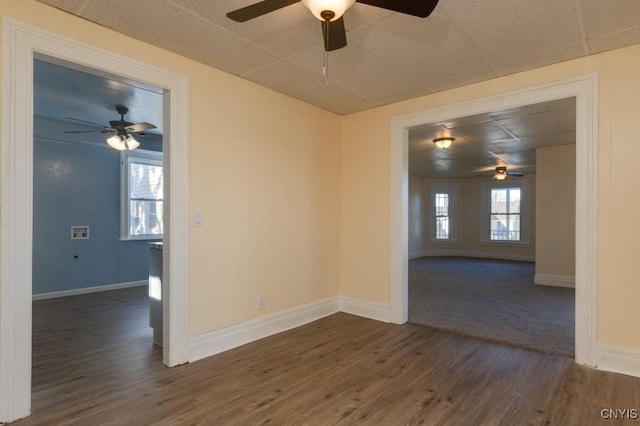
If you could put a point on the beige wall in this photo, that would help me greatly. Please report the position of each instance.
(556, 215)
(468, 222)
(281, 183)
(264, 173)
(364, 244)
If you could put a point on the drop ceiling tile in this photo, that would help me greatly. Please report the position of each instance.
(603, 18)
(352, 107)
(614, 41)
(464, 150)
(566, 119)
(561, 138)
(291, 80)
(471, 120)
(499, 147)
(176, 30)
(532, 125)
(426, 132)
(520, 111)
(403, 96)
(506, 30)
(463, 80)
(522, 158)
(541, 60)
(428, 49)
(482, 133)
(355, 67)
(72, 6)
(282, 32)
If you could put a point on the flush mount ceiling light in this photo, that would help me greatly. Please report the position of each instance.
(444, 142)
(122, 142)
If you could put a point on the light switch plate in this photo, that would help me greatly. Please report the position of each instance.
(197, 219)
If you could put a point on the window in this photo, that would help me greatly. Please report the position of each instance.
(505, 214)
(441, 204)
(141, 195)
(443, 211)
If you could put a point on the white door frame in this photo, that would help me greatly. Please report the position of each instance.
(21, 43)
(585, 89)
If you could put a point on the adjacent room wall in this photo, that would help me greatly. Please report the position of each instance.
(467, 218)
(79, 184)
(364, 241)
(556, 217)
(264, 174)
(417, 224)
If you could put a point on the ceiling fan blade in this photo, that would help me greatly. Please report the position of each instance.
(147, 135)
(516, 174)
(258, 9)
(88, 122)
(140, 127)
(92, 131)
(337, 37)
(419, 8)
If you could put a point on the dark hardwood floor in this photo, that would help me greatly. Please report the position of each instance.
(94, 364)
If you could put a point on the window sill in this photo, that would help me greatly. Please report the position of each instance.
(143, 238)
(451, 240)
(506, 243)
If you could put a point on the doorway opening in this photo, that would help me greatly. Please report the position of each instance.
(22, 44)
(584, 89)
(492, 254)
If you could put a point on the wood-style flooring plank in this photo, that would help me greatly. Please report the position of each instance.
(94, 364)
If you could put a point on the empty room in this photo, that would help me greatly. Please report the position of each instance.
(288, 136)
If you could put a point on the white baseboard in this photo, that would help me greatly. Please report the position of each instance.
(619, 360)
(212, 343)
(362, 308)
(416, 254)
(96, 289)
(480, 255)
(555, 280)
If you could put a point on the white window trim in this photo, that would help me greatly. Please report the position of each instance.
(452, 190)
(140, 156)
(525, 213)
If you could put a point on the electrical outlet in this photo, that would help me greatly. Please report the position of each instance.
(261, 302)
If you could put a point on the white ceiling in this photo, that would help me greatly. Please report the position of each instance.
(390, 57)
(501, 138)
(64, 92)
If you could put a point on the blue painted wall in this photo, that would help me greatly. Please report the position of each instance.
(76, 184)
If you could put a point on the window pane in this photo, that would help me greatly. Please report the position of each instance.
(499, 200)
(441, 202)
(499, 227)
(145, 217)
(145, 181)
(514, 200)
(144, 196)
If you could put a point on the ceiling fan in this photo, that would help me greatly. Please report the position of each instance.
(123, 131)
(502, 173)
(330, 12)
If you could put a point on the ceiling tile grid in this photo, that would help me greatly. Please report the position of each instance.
(390, 57)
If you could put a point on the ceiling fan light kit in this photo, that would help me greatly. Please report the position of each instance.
(122, 139)
(500, 174)
(122, 142)
(320, 7)
(444, 142)
(330, 12)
